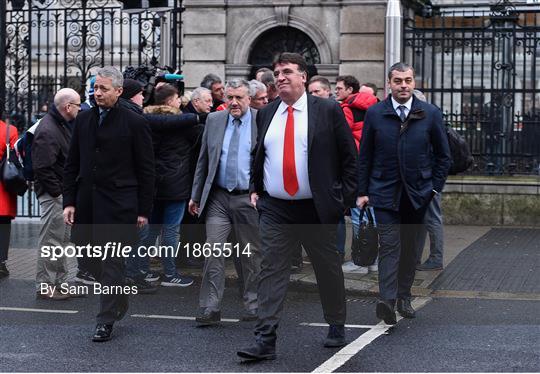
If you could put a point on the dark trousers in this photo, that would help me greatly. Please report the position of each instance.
(398, 233)
(283, 225)
(110, 272)
(5, 233)
(112, 307)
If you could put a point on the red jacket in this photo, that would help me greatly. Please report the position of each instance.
(8, 201)
(354, 108)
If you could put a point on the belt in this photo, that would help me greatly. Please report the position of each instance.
(235, 192)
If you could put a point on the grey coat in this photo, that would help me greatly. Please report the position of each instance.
(208, 162)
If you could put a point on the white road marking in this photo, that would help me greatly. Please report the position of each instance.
(351, 349)
(38, 310)
(159, 316)
(347, 326)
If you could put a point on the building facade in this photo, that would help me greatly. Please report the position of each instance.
(232, 38)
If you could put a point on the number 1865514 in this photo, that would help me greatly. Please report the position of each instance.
(198, 250)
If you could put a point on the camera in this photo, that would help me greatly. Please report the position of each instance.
(150, 76)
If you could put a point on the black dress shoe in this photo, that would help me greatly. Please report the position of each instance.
(405, 309)
(258, 352)
(385, 311)
(103, 333)
(249, 316)
(209, 318)
(336, 336)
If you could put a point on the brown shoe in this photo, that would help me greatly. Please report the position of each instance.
(54, 295)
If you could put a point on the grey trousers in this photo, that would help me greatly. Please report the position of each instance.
(433, 224)
(225, 213)
(53, 232)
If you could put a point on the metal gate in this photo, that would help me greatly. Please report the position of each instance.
(482, 68)
(52, 44)
(49, 44)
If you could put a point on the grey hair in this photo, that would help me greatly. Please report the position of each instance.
(255, 86)
(64, 96)
(209, 80)
(199, 91)
(401, 67)
(419, 95)
(113, 74)
(237, 83)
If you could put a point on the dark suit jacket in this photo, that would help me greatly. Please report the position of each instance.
(332, 157)
(109, 172)
(208, 162)
(418, 159)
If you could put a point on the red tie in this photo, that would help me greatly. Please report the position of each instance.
(289, 167)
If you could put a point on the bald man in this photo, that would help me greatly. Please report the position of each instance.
(49, 152)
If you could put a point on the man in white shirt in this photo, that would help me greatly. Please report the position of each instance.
(303, 177)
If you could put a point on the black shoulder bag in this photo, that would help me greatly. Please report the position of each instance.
(12, 171)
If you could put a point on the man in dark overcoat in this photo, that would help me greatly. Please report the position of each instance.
(403, 165)
(108, 189)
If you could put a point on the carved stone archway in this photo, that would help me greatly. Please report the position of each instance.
(250, 36)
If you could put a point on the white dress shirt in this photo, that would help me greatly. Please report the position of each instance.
(407, 106)
(273, 146)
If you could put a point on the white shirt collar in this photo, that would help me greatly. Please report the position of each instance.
(299, 105)
(407, 105)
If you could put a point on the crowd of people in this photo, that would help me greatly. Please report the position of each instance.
(269, 167)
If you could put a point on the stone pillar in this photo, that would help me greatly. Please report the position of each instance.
(204, 40)
(361, 50)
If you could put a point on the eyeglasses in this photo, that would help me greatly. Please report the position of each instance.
(77, 104)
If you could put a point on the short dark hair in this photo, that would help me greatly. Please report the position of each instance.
(262, 70)
(163, 93)
(209, 80)
(373, 86)
(322, 80)
(349, 81)
(291, 58)
(401, 67)
(267, 78)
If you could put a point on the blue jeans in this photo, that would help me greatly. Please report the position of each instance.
(165, 221)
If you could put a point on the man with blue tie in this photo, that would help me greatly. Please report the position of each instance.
(404, 161)
(220, 194)
(304, 175)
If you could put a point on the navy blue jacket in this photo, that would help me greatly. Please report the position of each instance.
(416, 159)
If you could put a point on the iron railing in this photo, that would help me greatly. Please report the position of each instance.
(482, 68)
(50, 44)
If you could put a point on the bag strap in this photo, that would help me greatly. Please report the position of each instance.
(373, 218)
(370, 215)
(8, 146)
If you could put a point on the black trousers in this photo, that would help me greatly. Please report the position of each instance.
(110, 273)
(5, 233)
(398, 233)
(283, 225)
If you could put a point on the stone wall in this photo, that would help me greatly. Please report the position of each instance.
(492, 202)
(218, 35)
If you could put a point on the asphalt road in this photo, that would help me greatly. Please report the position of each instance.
(448, 335)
